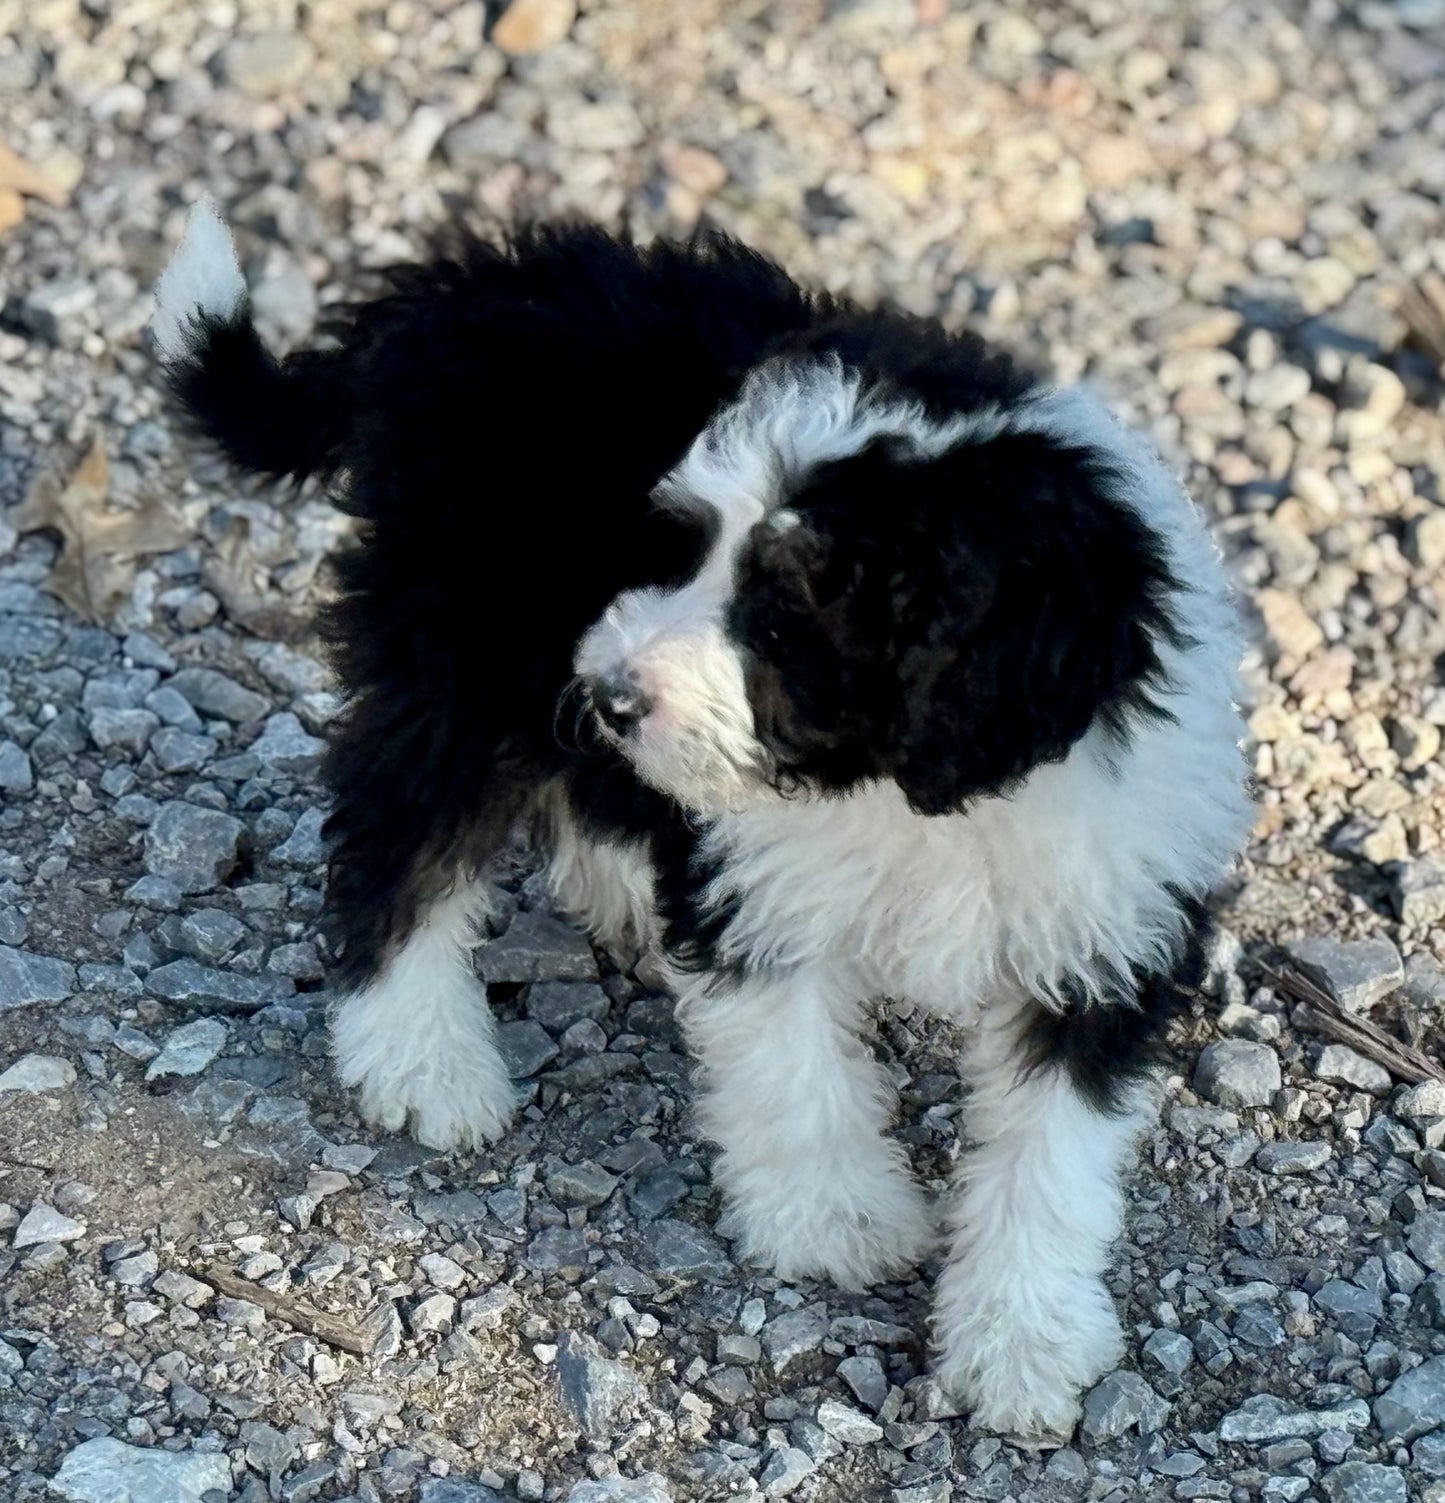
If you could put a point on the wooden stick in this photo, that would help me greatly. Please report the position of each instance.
(1423, 305)
(328, 1328)
(1326, 1016)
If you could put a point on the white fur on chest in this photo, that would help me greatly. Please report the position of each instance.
(1066, 880)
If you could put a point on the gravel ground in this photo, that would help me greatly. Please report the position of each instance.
(215, 1283)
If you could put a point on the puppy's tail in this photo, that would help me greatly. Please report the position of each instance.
(278, 418)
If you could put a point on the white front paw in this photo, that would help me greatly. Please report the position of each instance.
(455, 1110)
(439, 1075)
(853, 1229)
(1017, 1363)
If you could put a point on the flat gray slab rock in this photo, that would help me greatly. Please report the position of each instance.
(597, 1391)
(1266, 1417)
(1237, 1073)
(43, 1223)
(198, 985)
(686, 1252)
(1356, 973)
(189, 1049)
(1365, 1482)
(1121, 1402)
(38, 1072)
(648, 1488)
(1414, 1403)
(27, 978)
(455, 1490)
(195, 848)
(538, 947)
(108, 1471)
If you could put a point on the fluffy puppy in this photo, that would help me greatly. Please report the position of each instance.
(913, 676)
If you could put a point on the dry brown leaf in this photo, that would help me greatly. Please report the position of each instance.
(1424, 308)
(96, 565)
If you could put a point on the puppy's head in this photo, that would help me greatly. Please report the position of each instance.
(886, 595)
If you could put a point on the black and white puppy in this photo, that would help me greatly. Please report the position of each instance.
(914, 676)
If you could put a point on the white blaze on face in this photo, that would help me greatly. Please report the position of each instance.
(697, 741)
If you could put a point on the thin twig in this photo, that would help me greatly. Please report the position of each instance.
(1423, 305)
(1326, 1016)
(328, 1328)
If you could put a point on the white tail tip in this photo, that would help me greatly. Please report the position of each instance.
(203, 280)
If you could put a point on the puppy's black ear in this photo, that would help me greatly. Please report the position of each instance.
(1032, 601)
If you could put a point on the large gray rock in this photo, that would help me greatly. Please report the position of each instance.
(1356, 973)
(648, 1488)
(1355, 1310)
(794, 1334)
(284, 668)
(455, 1490)
(189, 1049)
(181, 751)
(1426, 1240)
(208, 935)
(124, 730)
(599, 1393)
(585, 1184)
(27, 978)
(197, 985)
(212, 693)
(1414, 1402)
(286, 746)
(304, 846)
(1346, 1066)
(107, 1471)
(1418, 892)
(24, 637)
(525, 1047)
(1171, 1350)
(33, 1073)
(43, 1223)
(538, 947)
(16, 773)
(1425, 981)
(195, 848)
(1237, 1073)
(1419, 1103)
(683, 1251)
(557, 1005)
(1265, 1417)
(1364, 1482)
(1121, 1402)
(1293, 1158)
(786, 1470)
(851, 1426)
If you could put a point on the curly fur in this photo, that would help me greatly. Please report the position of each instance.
(929, 675)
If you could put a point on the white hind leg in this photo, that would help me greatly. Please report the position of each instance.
(606, 886)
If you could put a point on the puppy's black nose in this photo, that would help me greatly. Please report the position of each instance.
(619, 703)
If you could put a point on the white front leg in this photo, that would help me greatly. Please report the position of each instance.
(421, 1041)
(799, 1107)
(1023, 1322)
